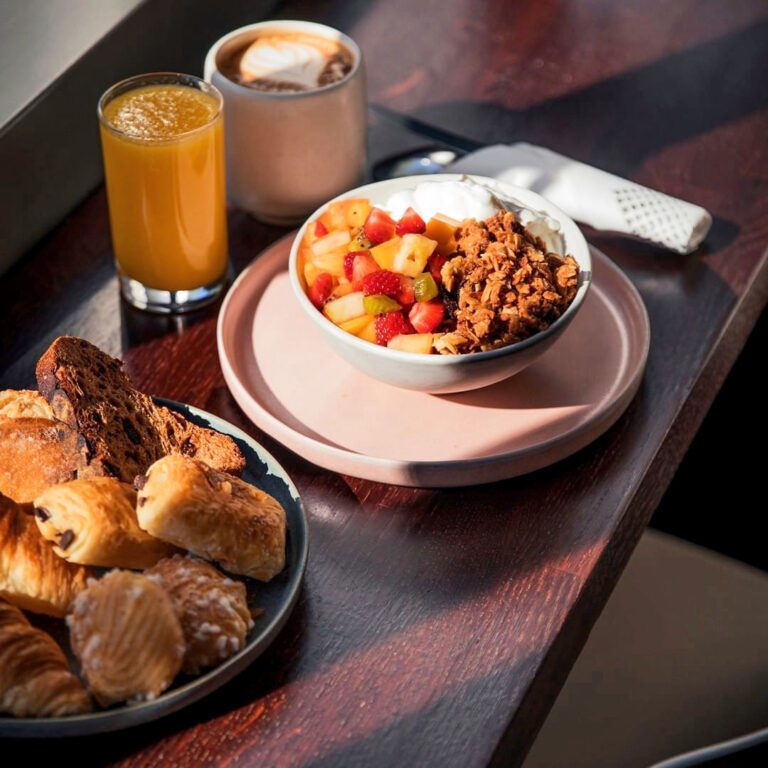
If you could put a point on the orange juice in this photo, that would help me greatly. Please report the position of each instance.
(163, 147)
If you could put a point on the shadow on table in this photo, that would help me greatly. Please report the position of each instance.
(651, 107)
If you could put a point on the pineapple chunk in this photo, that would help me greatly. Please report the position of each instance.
(332, 262)
(355, 326)
(311, 272)
(412, 342)
(442, 229)
(411, 257)
(369, 332)
(384, 254)
(345, 308)
(330, 242)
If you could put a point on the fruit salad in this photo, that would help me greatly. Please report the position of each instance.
(376, 277)
(442, 285)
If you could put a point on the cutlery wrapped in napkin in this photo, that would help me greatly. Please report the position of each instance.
(592, 196)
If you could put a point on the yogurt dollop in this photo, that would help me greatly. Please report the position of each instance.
(450, 198)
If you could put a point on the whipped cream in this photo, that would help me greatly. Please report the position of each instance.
(284, 59)
(450, 198)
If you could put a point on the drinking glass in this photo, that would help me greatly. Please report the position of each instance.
(162, 139)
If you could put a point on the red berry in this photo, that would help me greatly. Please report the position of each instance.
(349, 260)
(435, 264)
(382, 281)
(389, 325)
(363, 264)
(410, 222)
(425, 316)
(379, 226)
(320, 291)
(320, 229)
(405, 296)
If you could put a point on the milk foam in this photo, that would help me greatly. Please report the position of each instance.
(286, 60)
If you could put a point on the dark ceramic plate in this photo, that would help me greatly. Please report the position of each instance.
(275, 598)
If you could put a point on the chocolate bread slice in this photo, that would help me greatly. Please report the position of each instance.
(123, 431)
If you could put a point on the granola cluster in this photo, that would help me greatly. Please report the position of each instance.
(502, 286)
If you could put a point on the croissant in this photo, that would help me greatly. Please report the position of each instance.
(93, 522)
(32, 577)
(34, 678)
(125, 633)
(211, 607)
(213, 515)
(35, 453)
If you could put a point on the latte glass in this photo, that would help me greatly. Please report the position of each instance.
(290, 151)
(162, 138)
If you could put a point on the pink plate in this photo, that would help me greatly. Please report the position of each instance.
(291, 385)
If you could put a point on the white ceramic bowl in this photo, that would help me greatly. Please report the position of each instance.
(445, 373)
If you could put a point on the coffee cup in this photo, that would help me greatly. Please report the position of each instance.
(292, 142)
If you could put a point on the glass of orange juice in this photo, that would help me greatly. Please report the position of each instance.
(162, 139)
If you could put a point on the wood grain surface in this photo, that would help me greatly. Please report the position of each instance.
(436, 627)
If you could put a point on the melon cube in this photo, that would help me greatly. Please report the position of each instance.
(384, 254)
(345, 308)
(442, 229)
(420, 343)
(411, 257)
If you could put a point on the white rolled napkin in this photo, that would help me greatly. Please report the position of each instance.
(592, 196)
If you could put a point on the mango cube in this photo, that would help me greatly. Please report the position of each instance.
(368, 333)
(357, 325)
(384, 254)
(442, 229)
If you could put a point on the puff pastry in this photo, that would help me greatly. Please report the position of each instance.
(211, 607)
(93, 522)
(125, 633)
(32, 576)
(213, 515)
(24, 403)
(34, 454)
(34, 678)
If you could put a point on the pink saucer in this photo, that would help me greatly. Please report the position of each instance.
(291, 385)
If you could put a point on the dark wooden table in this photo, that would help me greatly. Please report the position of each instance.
(436, 627)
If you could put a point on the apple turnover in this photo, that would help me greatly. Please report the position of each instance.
(211, 607)
(35, 680)
(126, 635)
(32, 576)
(214, 515)
(93, 522)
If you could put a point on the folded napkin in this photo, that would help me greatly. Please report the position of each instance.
(592, 196)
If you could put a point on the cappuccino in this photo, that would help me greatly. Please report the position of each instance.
(287, 61)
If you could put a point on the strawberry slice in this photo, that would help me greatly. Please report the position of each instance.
(390, 325)
(320, 229)
(406, 296)
(425, 316)
(435, 264)
(379, 226)
(382, 281)
(410, 223)
(320, 291)
(362, 264)
(349, 260)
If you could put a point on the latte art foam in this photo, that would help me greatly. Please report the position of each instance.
(287, 61)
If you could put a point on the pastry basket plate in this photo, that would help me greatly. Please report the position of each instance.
(277, 599)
